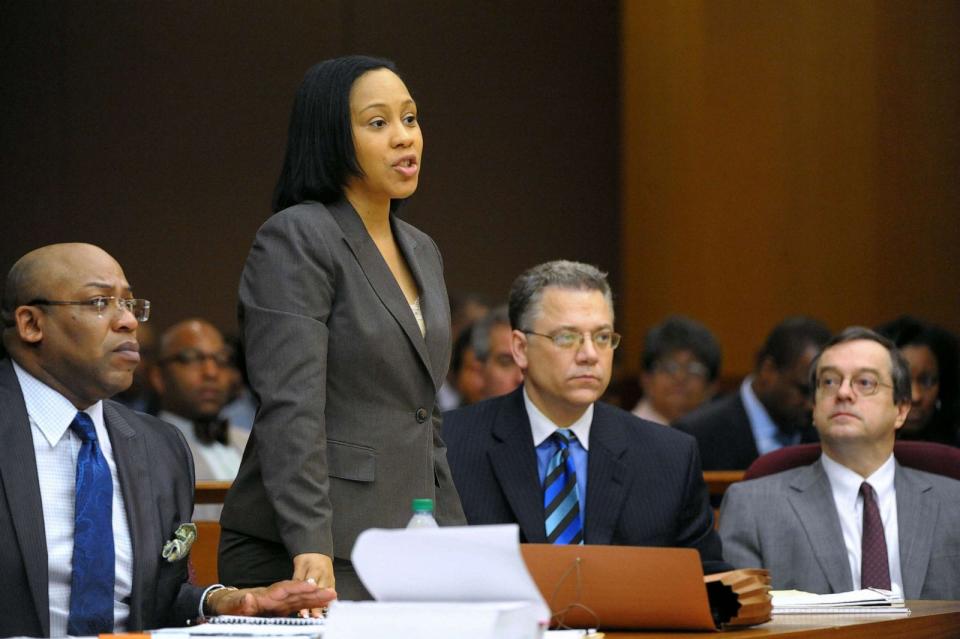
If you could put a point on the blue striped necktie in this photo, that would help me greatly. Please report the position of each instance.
(561, 504)
(91, 589)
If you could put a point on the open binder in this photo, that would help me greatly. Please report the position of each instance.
(624, 587)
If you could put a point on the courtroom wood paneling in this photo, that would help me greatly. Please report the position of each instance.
(789, 157)
(156, 129)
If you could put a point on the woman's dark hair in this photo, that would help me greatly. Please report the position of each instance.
(910, 331)
(320, 155)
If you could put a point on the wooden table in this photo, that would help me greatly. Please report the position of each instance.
(927, 620)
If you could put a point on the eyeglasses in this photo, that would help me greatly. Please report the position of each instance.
(862, 384)
(139, 307)
(194, 357)
(602, 340)
(676, 369)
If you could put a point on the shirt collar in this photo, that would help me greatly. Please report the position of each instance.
(542, 427)
(50, 411)
(845, 483)
(760, 419)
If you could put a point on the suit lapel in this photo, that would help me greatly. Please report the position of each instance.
(377, 272)
(917, 514)
(514, 463)
(812, 500)
(433, 302)
(21, 483)
(130, 456)
(606, 478)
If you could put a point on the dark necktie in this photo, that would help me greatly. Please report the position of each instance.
(211, 431)
(561, 506)
(874, 568)
(91, 590)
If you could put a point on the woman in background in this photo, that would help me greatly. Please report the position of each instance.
(346, 330)
(933, 356)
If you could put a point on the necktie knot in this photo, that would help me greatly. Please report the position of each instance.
(83, 426)
(564, 437)
(867, 491)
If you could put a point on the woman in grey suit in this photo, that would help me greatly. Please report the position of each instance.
(346, 327)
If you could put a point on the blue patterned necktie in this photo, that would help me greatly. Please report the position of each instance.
(561, 505)
(91, 590)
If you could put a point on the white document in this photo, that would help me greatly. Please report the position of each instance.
(869, 600)
(448, 564)
(443, 620)
(210, 630)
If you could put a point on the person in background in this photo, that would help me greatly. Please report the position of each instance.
(855, 518)
(680, 366)
(241, 408)
(934, 360)
(92, 494)
(346, 330)
(192, 379)
(466, 372)
(772, 408)
(490, 339)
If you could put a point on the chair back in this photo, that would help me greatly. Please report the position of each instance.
(931, 457)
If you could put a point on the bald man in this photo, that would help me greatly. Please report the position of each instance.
(93, 496)
(192, 380)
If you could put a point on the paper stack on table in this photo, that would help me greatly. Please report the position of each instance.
(458, 581)
(868, 601)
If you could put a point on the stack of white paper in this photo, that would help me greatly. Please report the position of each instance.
(439, 620)
(868, 601)
(458, 581)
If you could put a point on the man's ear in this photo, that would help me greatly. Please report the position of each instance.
(902, 409)
(29, 321)
(518, 347)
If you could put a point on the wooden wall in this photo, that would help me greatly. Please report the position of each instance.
(156, 129)
(798, 156)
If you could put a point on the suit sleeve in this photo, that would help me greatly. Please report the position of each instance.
(286, 292)
(696, 519)
(738, 529)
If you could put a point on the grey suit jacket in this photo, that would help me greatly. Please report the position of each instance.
(156, 477)
(347, 433)
(788, 524)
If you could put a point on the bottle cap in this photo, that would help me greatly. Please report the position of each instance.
(422, 505)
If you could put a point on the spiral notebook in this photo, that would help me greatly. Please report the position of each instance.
(268, 621)
(240, 626)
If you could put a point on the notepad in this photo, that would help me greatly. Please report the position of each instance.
(867, 601)
(268, 621)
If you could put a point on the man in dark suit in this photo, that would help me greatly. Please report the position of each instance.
(772, 407)
(551, 458)
(93, 496)
(855, 518)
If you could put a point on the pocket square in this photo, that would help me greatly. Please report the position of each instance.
(179, 547)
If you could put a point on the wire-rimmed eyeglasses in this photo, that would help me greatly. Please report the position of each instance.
(572, 339)
(139, 307)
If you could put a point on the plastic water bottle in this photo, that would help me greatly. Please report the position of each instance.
(422, 514)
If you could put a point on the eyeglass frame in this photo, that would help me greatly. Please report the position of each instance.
(853, 389)
(199, 358)
(614, 338)
(100, 303)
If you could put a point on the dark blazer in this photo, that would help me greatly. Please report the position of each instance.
(156, 477)
(347, 433)
(788, 523)
(722, 430)
(644, 483)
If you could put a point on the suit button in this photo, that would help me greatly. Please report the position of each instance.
(421, 415)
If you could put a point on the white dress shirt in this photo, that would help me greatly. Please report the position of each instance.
(56, 448)
(845, 485)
